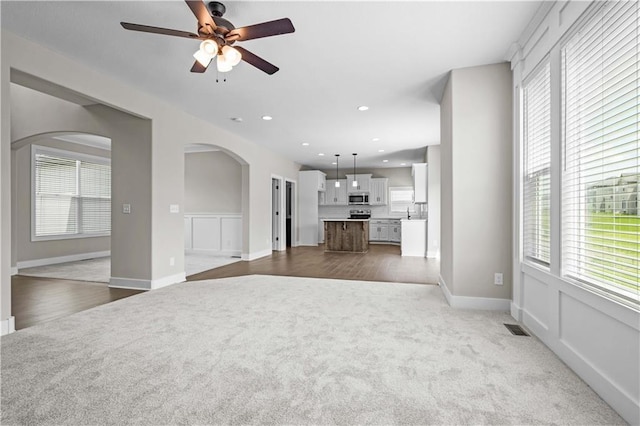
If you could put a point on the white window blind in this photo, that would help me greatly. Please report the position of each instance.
(71, 193)
(601, 85)
(401, 199)
(537, 162)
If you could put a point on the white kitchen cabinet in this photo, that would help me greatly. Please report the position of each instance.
(378, 191)
(321, 231)
(414, 237)
(378, 230)
(335, 196)
(419, 174)
(364, 183)
(395, 233)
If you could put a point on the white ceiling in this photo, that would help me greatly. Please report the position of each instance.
(391, 56)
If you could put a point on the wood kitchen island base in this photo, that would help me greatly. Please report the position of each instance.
(346, 235)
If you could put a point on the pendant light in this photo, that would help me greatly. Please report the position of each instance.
(355, 180)
(337, 181)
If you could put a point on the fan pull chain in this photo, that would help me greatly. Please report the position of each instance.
(224, 80)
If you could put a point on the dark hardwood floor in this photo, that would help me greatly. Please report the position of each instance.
(381, 263)
(35, 300)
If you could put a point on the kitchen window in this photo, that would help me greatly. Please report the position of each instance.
(71, 195)
(401, 199)
(600, 101)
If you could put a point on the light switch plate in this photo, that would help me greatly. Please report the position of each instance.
(174, 208)
(126, 208)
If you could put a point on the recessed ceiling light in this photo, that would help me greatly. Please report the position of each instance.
(375, 139)
(321, 154)
(363, 108)
(305, 143)
(385, 161)
(236, 119)
(403, 164)
(334, 163)
(381, 150)
(267, 117)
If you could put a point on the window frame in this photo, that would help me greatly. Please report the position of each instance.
(545, 63)
(401, 188)
(594, 285)
(71, 155)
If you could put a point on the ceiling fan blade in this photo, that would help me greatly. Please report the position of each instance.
(198, 67)
(205, 21)
(158, 30)
(265, 29)
(256, 61)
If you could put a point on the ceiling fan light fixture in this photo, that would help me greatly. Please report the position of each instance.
(223, 64)
(209, 47)
(231, 55)
(203, 58)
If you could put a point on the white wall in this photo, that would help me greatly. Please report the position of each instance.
(212, 183)
(476, 158)
(597, 337)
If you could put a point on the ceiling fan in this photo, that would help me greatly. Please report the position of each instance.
(218, 35)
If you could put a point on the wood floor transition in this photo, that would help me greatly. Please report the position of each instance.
(35, 300)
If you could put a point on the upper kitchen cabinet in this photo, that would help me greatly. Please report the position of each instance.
(363, 180)
(335, 196)
(378, 192)
(419, 173)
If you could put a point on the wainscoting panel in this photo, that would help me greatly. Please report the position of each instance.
(213, 233)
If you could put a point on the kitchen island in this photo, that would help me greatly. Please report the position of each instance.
(346, 235)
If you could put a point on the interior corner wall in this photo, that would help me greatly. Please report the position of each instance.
(479, 178)
(212, 183)
(446, 188)
(5, 191)
(433, 201)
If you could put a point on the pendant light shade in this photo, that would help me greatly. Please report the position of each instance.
(355, 180)
(337, 181)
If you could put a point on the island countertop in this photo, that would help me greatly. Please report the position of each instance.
(344, 220)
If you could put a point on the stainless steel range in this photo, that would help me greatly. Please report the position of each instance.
(360, 214)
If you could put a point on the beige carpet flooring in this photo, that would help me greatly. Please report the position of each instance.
(283, 350)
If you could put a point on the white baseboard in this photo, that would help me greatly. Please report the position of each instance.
(166, 281)
(466, 302)
(138, 284)
(214, 252)
(8, 326)
(129, 283)
(433, 254)
(256, 255)
(516, 312)
(61, 259)
(14, 270)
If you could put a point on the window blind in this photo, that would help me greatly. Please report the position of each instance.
(601, 85)
(537, 162)
(401, 199)
(72, 195)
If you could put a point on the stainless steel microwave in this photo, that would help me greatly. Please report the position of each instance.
(358, 199)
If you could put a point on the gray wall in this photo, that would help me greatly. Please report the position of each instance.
(212, 183)
(476, 177)
(433, 200)
(25, 249)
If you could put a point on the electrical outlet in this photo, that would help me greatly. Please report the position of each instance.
(497, 278)
(172, 261)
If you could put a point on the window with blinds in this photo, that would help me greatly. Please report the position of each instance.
(71, 195)
(537, 162)
(401, 199)
(601, 87)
